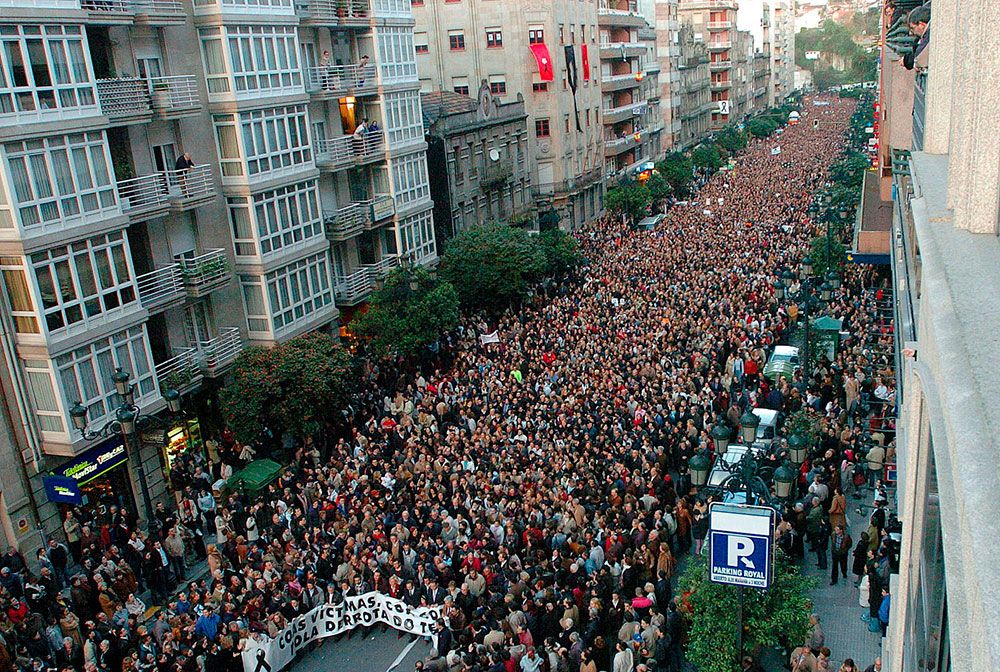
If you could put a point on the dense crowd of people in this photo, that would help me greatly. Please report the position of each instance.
(535, 488)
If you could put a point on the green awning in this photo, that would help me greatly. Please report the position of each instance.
(775, 370)
(827, 323)
(254, 476)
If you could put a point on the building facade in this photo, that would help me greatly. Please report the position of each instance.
(714, 23)
(939, 165)
(668, 54)
(631, 96)
(550, 53)
(477, 156)
(696, 104)
(783, 27)
(177, 181)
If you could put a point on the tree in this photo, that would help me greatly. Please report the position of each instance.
(659, 188)
(826, 255)
(631, 200)
(770, 617)
(293, 387)
(409, 312)
(492, 265)
(562, 252)
(761, 127)
(731, 140)
(706, 156)
(677, 170)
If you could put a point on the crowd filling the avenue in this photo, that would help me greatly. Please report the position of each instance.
(536, 488)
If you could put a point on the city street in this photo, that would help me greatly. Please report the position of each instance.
(378, 652)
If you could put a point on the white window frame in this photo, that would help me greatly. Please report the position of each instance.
(397, 57)
(416, 236)
(299, 290)
(275, 140)
(409, 179)
(281, 219)
(90, 285)
(70, 90)
(403, 121)
(45, 202)
(264, 59)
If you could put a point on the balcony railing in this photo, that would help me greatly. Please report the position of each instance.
(720, 65)
(346, 222)
(497, 174)
(158, 12)
(379, 209)
(335, 152)
(919, 108)
(623, 45)
(174, 95)
(381, 268)
(108, 11)
(335, 12)
(612, 79)
(124, 99)
(354, 288)
(144, 194)
(719, 25)
(721, 85)
(614, 115)
(204, 273)
(219, 352)
(720, 44)
(337, 80)
(188, 187)
(181, 372)
(369, 146)
(160, 288)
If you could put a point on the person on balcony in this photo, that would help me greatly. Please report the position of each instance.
(183, 166)
(325, 75)
(919, 20)
(362, 70)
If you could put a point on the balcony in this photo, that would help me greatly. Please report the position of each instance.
(158, 12)
(258, 8)
(335, 81)
(347, 222)
(381, 268)
(721, 85)
(175, 96)
(369, 147)
(618, 145)
(181, 372)
(379, 209)
(715, 66)
(615, 115)
(124, 100)
(350, 290)
(720, 45)
(628, 80)
(219, 352)
(109, 12)
(497, 174)
(161, 289)
(719, 25)
(335, 153)
(609, 14)
(919, 109)
(172, 190)
(328, 13)
(205, 273)
(652, 68)
(622, 49)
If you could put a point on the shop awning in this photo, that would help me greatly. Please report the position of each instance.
(541, 53)
(254, 476)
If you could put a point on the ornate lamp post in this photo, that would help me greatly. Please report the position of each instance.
(128, 422)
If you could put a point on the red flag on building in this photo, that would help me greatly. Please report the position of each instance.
(541, 53)
(585, 59)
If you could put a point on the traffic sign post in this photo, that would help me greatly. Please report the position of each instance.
(741, 551)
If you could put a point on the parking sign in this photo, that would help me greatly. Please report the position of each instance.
(741, 545)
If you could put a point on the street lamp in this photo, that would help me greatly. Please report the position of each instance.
(748, 427)
(127, 422)
(784, 479)
(797, 445)
(787, 278)
(698, 465)
(720, 437)
(833, 279)
(806, 267)
(779, 290)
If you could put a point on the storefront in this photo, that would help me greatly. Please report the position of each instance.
(94, 480)
(183, 448)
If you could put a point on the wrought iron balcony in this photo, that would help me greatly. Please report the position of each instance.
(181, 372)
(346, 222)
(125, 100)
(161, 289)
(174, 96)
(218, 353)
(334, 81)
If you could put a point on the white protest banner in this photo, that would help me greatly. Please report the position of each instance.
(489, 338)
(263, 654)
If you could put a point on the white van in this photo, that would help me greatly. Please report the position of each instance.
(767, 429)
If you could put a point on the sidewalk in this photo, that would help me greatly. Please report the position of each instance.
(840, 614)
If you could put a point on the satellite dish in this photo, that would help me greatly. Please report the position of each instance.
(494, 155)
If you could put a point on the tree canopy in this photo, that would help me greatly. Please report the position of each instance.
(293, 387)
(762, 127)
(631, 199)
(492, 265)
(409, 312)
(562, 252)
(677, 169)
(706, 156)
(731, 139)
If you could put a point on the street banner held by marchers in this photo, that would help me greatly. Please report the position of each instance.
(263, 654)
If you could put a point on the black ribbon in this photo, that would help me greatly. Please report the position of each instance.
(262, 661)
(570, 52)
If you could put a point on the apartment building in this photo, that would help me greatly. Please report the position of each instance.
(482, 189)
(177, 181)
(754, 16)
(549, 53)
(783, 26)
(631, 95)
(714, 23)
(939, 168)
(668, 54)
(696, 106)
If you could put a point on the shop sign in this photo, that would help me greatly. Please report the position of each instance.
(741, 545)
(95, 462)
(62, 490)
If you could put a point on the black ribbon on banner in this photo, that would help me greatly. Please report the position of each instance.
(262, 663)
(570, 52)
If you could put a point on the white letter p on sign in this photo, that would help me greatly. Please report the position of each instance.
(740, 548)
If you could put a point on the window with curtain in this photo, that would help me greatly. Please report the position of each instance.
(58, 179)
(270, 144)
(41, 389)
(18, 295)
(228, 145)
(216, 73)
(46, 70)
(253, 303)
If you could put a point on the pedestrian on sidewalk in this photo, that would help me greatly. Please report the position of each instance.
(840, 548)
(860, 557)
